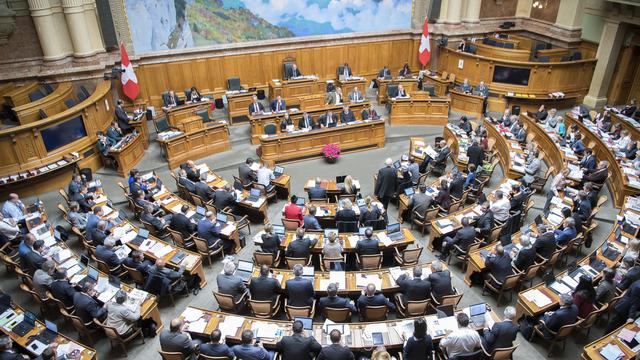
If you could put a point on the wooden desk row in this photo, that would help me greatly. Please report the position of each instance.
(128, 155)
(410, 85)
(292, 88)
(592, 350)
(185, 118)
(469, 104)
(50, 104)
(348, 240)
(548, 143)
(258, 122)
(509, 152)
(286, 147)
(19, 95)
(419, 109)
(212, 138)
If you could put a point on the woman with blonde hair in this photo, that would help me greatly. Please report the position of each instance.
(632, 249)
(349, 186)
(370, 212)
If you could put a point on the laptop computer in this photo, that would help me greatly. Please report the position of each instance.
(49, 334)
(444, 311)
(114, 281)
(221, 218)
(361, 203)
(340, 179)
(363, 229)
(278, 171)
(394, 233)
(396, 164)
(476, 313)
(27, 323)
(199, 215)
(307, 322)
(178, 257)
(244, 269)
(84, 261)
(539, 220)
(300, 201)
(254, 195)
(328, 231)
(279, 230)
(92, 275)
(409, 191)
(143, 234)
(609, 252)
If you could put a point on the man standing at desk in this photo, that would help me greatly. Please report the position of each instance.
(483, 90)
(256, 108)
(306, 122)
(344, 71)
(356, 95)
(278, 104)
(122, 117)
(346, 116)
(293, 72)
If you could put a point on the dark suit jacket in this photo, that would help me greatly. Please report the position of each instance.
(317, 192)
(368, 246)
(181, 223)
(63, 291)
(245, 174)
(87, 308)
(440, 284)
(108, 256)
(336, 302)
(123, 118)
(465, 237)
(342, 67)
(293, 73)
(346, 215)
(284, 123)
(597, 176)
(142, 266)
(223, 199)
(387, 182)
(274, 105)
(204, 191)
(442, 155)
(630, 277)
(336, 352)
(264, 288)
(369, 114)
(300, 248)
(114, 134)
(300, 291)
(375, 300)
(456, 187)
(298, 347)
(588, 162)
(420, 202)
(32, 261)
(501, 335)
(484, 222)
(545, 245)
(476, 155)
(231, 285)
(499, 266)
(252, 108)
(629, 305)
(270, 243)
(155, 221)
(517, 201)
(525, 258)
(413, 289)
(172, 341)
(98, 236)
(84, 201)
(561, 317)
(347, 117)
(217, 350)
(324, 119)
(301, 124)
(208, 231)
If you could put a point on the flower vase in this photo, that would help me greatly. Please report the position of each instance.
(331, 160)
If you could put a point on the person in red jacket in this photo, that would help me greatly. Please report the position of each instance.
(293, 211)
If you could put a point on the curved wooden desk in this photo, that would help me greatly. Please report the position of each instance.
(626, 125)
(419, 109)
(20, 94)
(545, 78)
(24, 151)
(348, 245)
(210, 139)
(552, 154)
(592, 350)
(470, 104)
(502, 53)
(50, 104)
(504, 147)
(293, 146)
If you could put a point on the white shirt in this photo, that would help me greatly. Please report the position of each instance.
(265, 175)
(501, 209)
(463, 340)
(8, 230)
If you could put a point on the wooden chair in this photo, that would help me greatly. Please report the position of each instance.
(124, 189)
(207, 251)
(154, 232)
(41, 302)
(374, 313)
(325, 262)
(495, 233)
(555, 256)
(539, 182)
(135, 275)
(64, 195)
(121, 340)
(588, 322)
(226, 302)
(573, 246)
(291, 261)
(337, 315)
(500, 353)
(500, 288)
(453, 299)
(369, 262)
(205, 357)
(59, 304)
(412, 308)
(270, 194)
(408, 256)
(557, 337)
(171, 355)
(84, 330)
(299, 311)
(424, 221)
(530, 273)
(241, 222)
(264, 309)
(245, 186)
(180, 241)
(461, 255)
(291, 224)
(269, 259)
(118, 271)
(10, 264)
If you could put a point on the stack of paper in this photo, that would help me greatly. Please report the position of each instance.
(353, 240)
(364, 280)
(537, 297)
(611, 352)
(192, 314)
(338, 277)
(198, 326)
(147, 244)
(383, 238)
(560, 287)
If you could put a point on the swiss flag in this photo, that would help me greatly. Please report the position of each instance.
(424, 52)
(129, 80)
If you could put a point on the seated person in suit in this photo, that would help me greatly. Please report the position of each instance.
(332, 300)
(347, 116)
(317, 191)
(466, 87)
(171, 100)
(114, 133)
(209, 230)
(524, 257)
(256, 108)
(482, 89)
(159, 223)
(264, 287)
(370, 298)
(250, 350)
(335, 351)
(578, 146)
(310, 221)
(461, 341)
(306, 122)
(630, 108)
(245, 173)
(356, 95)
(61, 288)
(215, 348)
(502, 334)
(568, 231)
(292, 211)
(599, 175)
(369, 113)
(225, 197)
(175, 339)
(346, 71)
(565, 315)
(299, 290)
(298, 346)
(278, 104)
(192, 171)
(136, 261)
(33, 260)
(402, 93)
(181, 223)
(456, 186)
(194, 95)
(86, 306)
(300, 247)
(229, 283)
(328, 120)
(293, 72)
(84, 198)
(104, 143)
(405, 71)
(345, 211)
(420, 202)
(440, 281)
(588, 162)
(464, 238)
(120, 316)
(332, 248)
(384, 72)
(286, 122)
(107, 253)
(334, 97)
(270, 240)
(77, 180)
(420, 345)
(369, 245)
(99, 233)
(499, 264)
(415, 288)
(140, 200)
(160, 270)
(465, 125)
(369, 212)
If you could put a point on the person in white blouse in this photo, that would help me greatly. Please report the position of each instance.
(500, 207)
(8, 227)
(461, 341)
(625, 140)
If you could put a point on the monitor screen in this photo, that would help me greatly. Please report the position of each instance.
(307, 323)
(278, 169)
(93, 274)
(409, 191)
(143, 233)
(391, 228)
(300, 201)
(221, 217)
(511, 75)
(328, 231)
(477, 309)
(200, 210)
(63, 133)
(254, 192)
(245, 265)
(278, 229)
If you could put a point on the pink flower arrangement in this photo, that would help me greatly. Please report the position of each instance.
(331, 151)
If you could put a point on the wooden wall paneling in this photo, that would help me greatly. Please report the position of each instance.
(496, 9)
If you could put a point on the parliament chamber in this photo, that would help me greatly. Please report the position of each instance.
(397, 179)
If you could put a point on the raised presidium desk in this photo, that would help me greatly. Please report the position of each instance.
(127, 153)
(615, 343)
(297, 145)
(238, 104)
(532, 102)
(349, 84)
(510, 152)
(292, 88)
(210, 138)
(622, 182)
(440, 85)
(186, 117)
(258, 121)
(357, 336)
(419, 109)
(410, 85)
(470, 104)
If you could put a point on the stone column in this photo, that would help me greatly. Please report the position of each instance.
(444, 6)
(91, 17)
(78, 27)
(454, 12)
(419, 12)
(524, 8)
(51, 28)
(472, 11)
(570, 14)
(613, 34)
(121, 24)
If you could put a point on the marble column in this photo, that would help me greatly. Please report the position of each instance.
(444, 7)
(524, 8)
(454, 12)
(419, 12)
(472, 11)
(611, 39)
(51, 27)
(570, 14)
(91, 18)
(78, 27)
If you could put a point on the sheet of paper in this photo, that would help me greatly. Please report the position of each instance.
(363, 281)
(560, 287)
(198, 326)
(627, 335)
(338, 277)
